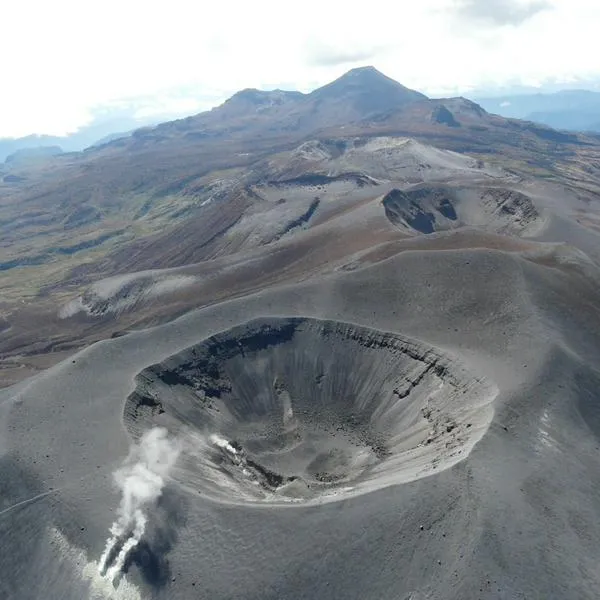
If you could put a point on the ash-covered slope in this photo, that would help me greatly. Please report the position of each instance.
(382, 158)
(517, 517)
(321, 207)
(121, 199)
(327, 355)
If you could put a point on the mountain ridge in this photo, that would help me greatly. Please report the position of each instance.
(255, 119)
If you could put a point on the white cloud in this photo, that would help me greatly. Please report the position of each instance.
(63, 59)
(501, 12)
(321, 52)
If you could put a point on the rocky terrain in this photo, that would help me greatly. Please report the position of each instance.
(341, 344)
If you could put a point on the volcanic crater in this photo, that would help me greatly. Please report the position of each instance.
(307, 410)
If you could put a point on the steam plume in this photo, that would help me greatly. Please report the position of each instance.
(141, 480)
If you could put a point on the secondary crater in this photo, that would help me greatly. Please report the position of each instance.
(307, 410)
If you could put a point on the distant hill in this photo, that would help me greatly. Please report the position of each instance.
(362, 100)
(256, 115)
(577, 110)
(32, 155)
(11, 146)
(111, 125)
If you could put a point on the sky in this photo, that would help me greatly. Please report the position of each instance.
(67, 61)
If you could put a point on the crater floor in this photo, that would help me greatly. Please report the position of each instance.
(304, 410)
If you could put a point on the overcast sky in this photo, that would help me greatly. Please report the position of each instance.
(63, 59)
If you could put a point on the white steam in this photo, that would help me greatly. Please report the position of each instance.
(236, 456)
(224, 444)
(141, 480)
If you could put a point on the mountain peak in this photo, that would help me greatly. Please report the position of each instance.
(258, 97)
(368, 69)
(252, 100)
(368, 75)
(369, 90)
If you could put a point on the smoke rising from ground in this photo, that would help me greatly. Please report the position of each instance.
(141, 480)
(224, 444)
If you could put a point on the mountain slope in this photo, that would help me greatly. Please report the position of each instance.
(304, 347)
(265, 172)
(354, 96)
